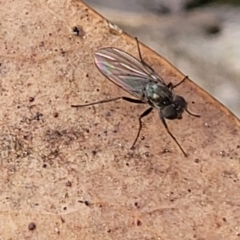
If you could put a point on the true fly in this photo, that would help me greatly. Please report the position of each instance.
(140, 80)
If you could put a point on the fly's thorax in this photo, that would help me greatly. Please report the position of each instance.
(175, 109)
(158, 94)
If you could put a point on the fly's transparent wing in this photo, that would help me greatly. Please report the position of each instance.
(125, 70)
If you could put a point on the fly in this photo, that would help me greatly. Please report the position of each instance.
(140, 80)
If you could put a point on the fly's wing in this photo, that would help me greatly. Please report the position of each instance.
(125, 70)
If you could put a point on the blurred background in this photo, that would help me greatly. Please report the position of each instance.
(199, 37)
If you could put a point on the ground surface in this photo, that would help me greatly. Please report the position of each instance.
(70, 171)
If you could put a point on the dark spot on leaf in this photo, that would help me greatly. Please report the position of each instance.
(139, 223)
(31, 226)
(68, 184)
(78, 31)
(196, 160)
(31, 99)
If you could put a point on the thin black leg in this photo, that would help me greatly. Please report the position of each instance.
(141, 58)
(166, 127)
(144, 114)
(176, 85)
(171, 86)
(110, 100)
(139, 52)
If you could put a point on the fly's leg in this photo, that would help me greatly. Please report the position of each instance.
(141, 58)
(125, 99)
(172, 136)
(109, 100)
(139, 52)
(144, 114)
(171, 86)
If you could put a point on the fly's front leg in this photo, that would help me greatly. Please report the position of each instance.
(172, 136)
(171, 86)
(144, 114)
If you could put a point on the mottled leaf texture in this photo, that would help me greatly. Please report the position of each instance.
(69, 173)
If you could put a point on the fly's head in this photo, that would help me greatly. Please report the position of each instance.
(174, 109)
